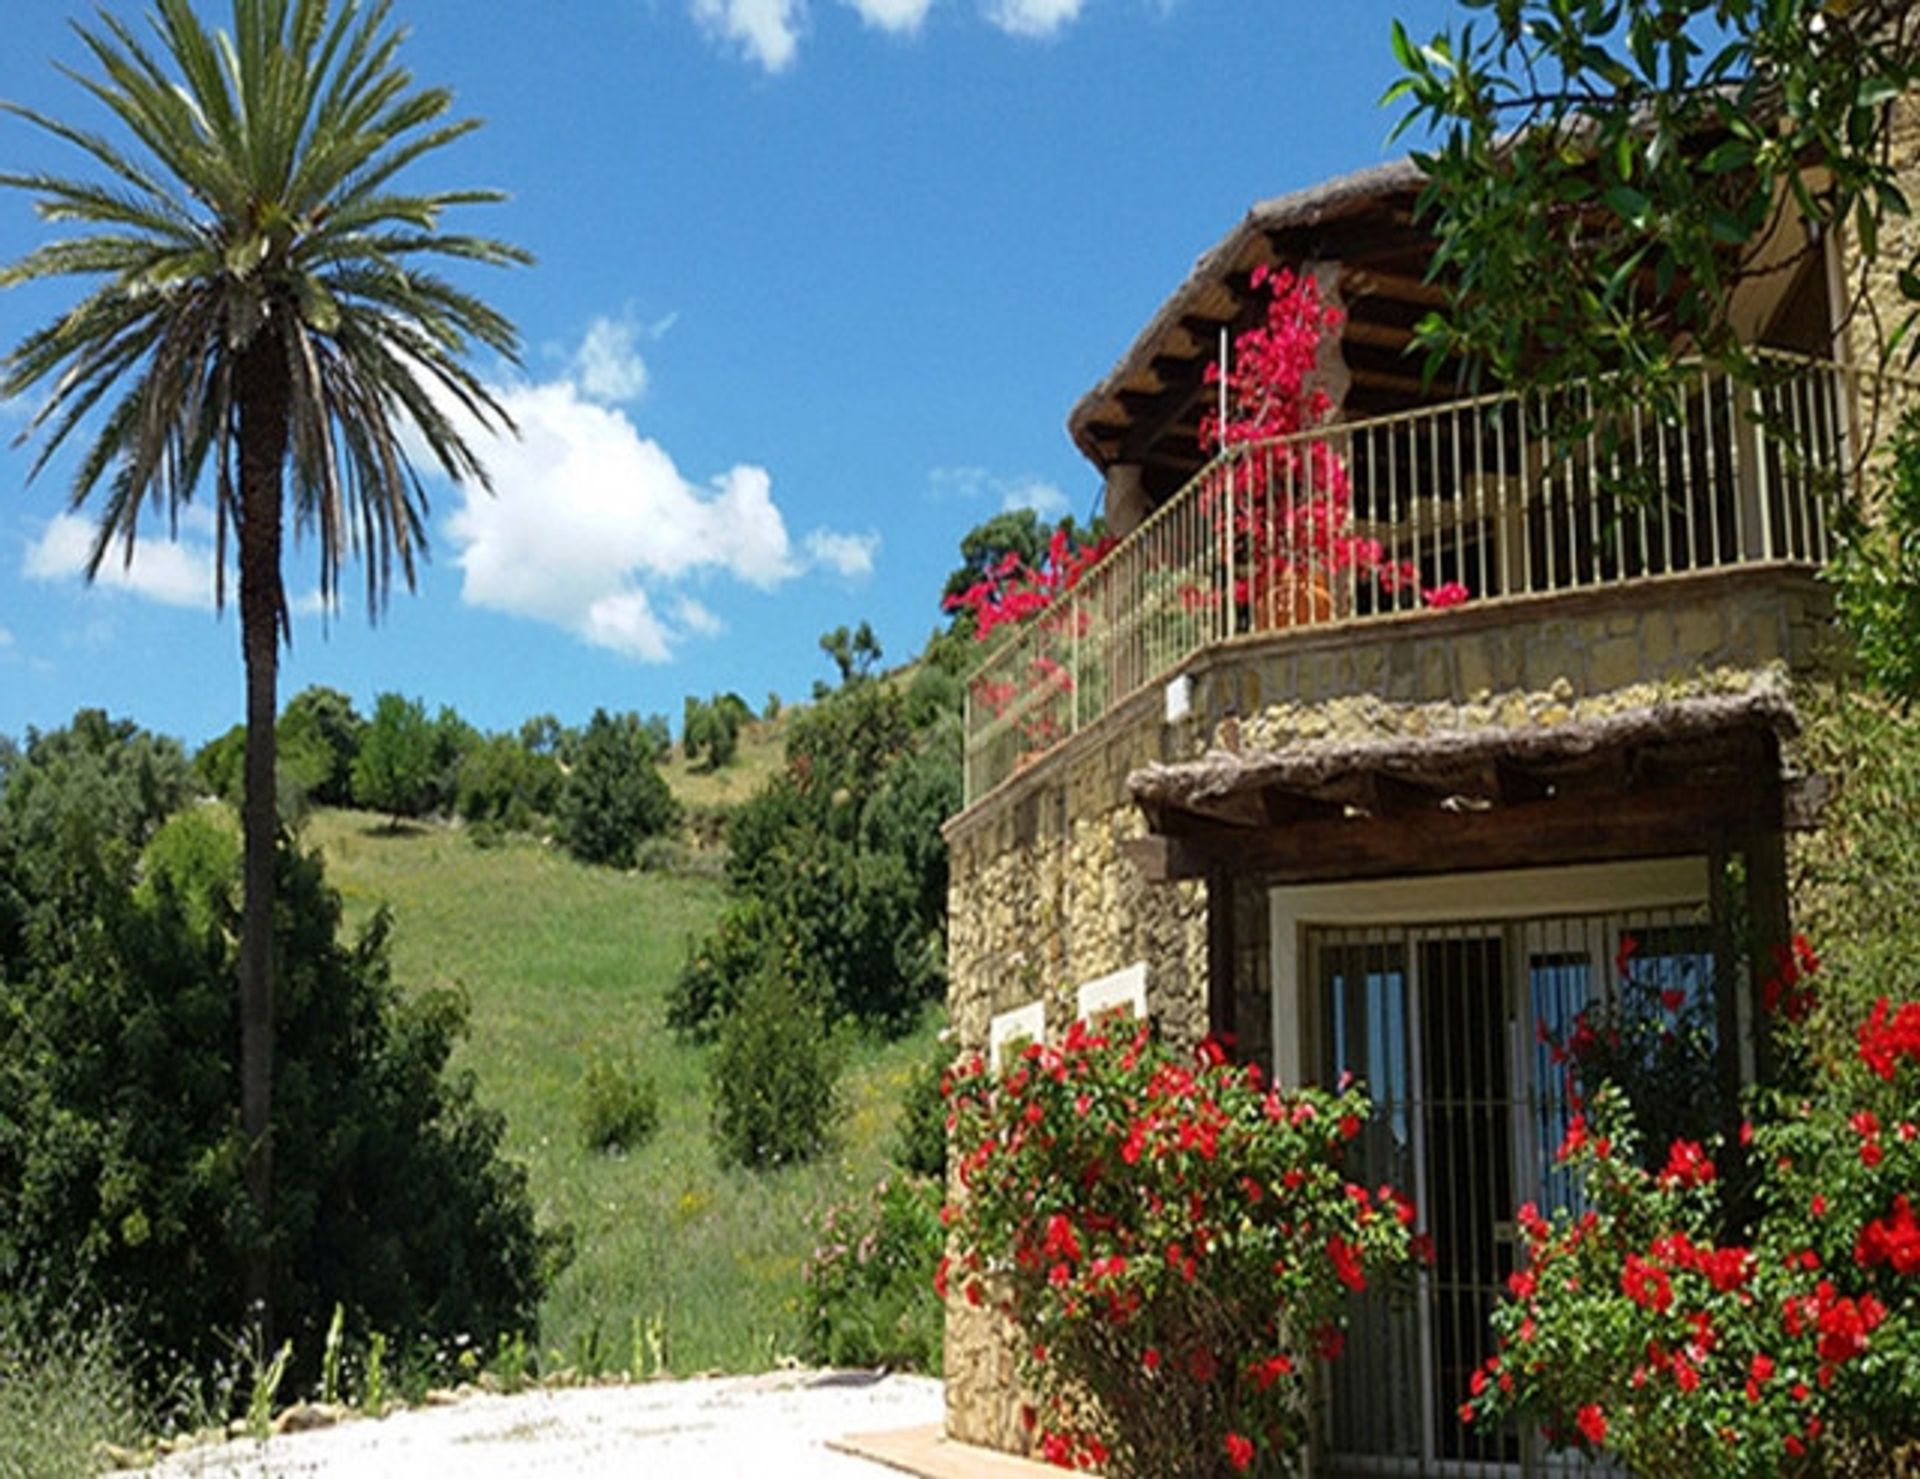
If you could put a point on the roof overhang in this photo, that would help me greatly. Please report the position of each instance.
(1363, 220)
(1671, 779)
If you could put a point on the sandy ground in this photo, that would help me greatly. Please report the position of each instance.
(773, 1425)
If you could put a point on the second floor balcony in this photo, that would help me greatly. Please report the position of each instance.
(1414, 517)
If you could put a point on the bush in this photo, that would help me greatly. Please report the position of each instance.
(920, 1144)
(773, 1078)
(613, 797)
(619, 1107)
(1178, 1242)
(868, 1295)
(121, 1160)
(504, 783)
(1656, 1329)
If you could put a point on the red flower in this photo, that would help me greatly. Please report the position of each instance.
(1646, 1285)
(1624, 955)
(1346, 1262)
(1150, 1359)
(1201, 1365)
(1687, 1165)
(1239, 1452)
(1888, 1036)
(940, 1276)
(1592, 1422)
(1893, 1240)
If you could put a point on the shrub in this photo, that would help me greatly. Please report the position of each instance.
(613, 797)
(121, 1162)
(774, 1077)
(920, 1144)
(1654, 1329)
(868, 1295)
(502, 782)
(619, 1107)
(1178, 1242)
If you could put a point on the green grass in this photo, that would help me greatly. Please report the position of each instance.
(62, 1392)
(560, 959)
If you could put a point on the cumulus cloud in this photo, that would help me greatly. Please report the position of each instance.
(586, 510)
(902, 16)
(1035, 18)
(850, 555)
(768, 31)
(607, 366)
(175, 572)
(1037, 494)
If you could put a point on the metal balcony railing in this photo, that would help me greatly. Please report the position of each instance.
(1483, 500)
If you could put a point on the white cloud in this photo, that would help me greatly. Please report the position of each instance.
(1035, 18)
(1037, 494)
(697, 618)
(900, 16)
(586, 512)
(1024, 490)
(767, 30)
(850, 555)
(174, 572)
(607, 366)
(6, 637)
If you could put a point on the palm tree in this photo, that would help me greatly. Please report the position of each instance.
(261, 297)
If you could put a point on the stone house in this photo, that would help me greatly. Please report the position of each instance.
(1358, 831)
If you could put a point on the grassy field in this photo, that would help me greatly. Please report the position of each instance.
(763, 750)
(559, 959)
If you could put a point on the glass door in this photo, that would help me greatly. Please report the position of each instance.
(1456, 1032)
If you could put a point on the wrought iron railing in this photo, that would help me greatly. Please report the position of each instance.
(1491, 499)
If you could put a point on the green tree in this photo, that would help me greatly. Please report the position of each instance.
(262, 313)
(855, 653)
(1603, 177)
(399, 759)
(122, 1167)
(711, 728)
(613, 797)
(325, 725)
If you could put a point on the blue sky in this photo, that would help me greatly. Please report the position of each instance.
(818, 282)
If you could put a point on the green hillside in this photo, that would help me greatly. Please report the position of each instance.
(561, 959)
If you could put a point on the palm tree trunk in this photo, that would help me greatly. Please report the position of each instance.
(262, 396)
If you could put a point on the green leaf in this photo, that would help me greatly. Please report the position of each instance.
(317, 307)
(1628, 203)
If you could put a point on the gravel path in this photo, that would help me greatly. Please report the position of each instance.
(775, 1425)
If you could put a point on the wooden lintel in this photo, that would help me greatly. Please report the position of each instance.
(1283, 807)
(1638, 824)
(1383, 795)
(1510, 783)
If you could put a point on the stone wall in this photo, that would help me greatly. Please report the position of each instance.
(1043, 896)
(1523, 664)
(1886, 307)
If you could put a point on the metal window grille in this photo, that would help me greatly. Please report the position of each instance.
(1453, 1029)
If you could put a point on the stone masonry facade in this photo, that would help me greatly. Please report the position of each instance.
(1043, 896)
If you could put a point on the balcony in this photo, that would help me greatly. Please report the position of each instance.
(1499, 499)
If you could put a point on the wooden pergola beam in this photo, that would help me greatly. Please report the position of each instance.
(1666, 822)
